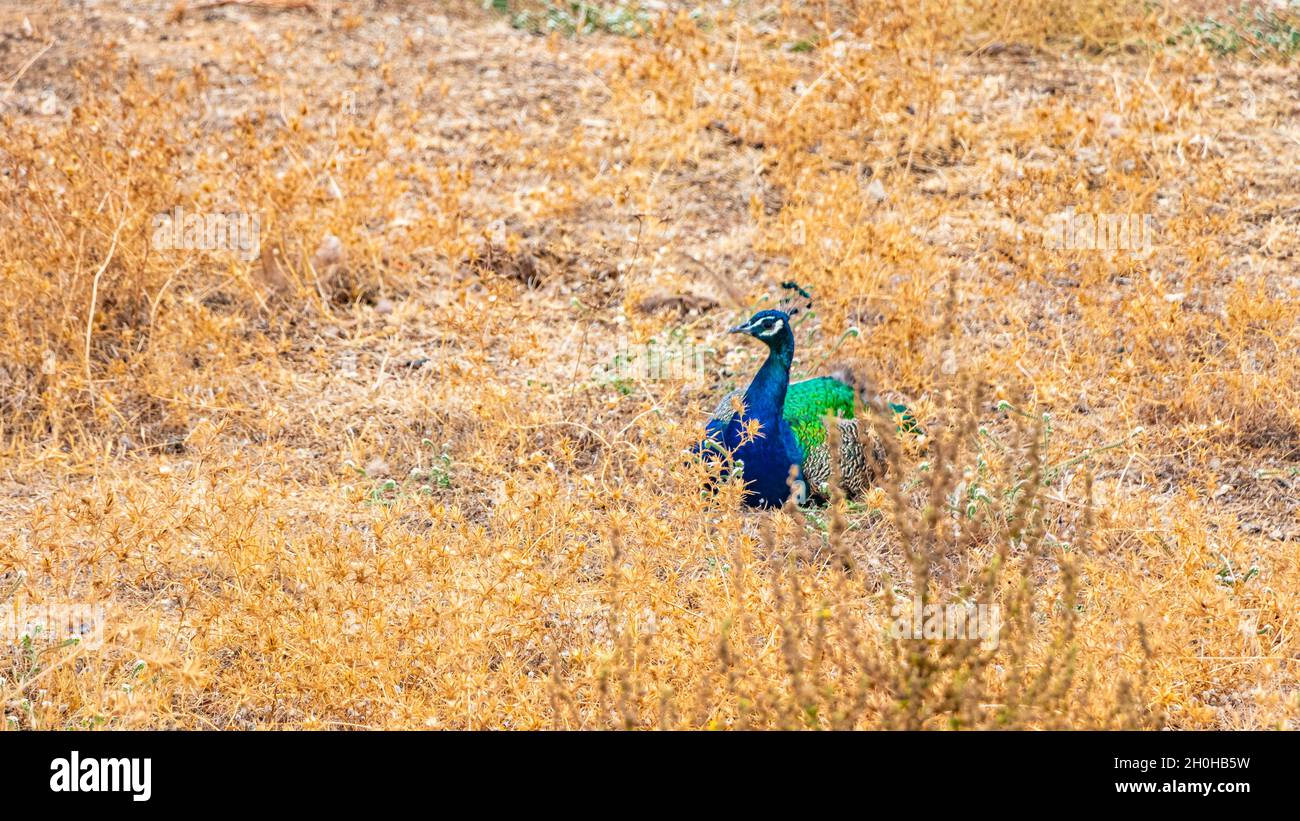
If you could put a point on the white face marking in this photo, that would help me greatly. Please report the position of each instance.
(777, 325)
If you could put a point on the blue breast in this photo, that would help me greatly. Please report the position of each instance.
(768, 456)
(767, 459)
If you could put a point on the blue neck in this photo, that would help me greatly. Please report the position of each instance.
(765, 396)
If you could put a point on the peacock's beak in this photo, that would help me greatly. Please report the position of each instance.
(742, 328)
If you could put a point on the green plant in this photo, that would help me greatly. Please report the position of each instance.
(573, 18)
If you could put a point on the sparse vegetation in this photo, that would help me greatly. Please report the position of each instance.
(573, 18)
(364, 478)
(1264, 32)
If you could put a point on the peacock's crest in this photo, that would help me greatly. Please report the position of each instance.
(794, 299)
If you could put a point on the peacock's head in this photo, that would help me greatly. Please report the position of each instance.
(771, 326)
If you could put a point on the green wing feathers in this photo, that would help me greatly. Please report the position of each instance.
(807, 404)
(808, 401)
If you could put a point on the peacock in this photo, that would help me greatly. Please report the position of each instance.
(774, 426)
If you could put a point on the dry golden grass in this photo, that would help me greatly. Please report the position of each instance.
(295, 521)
